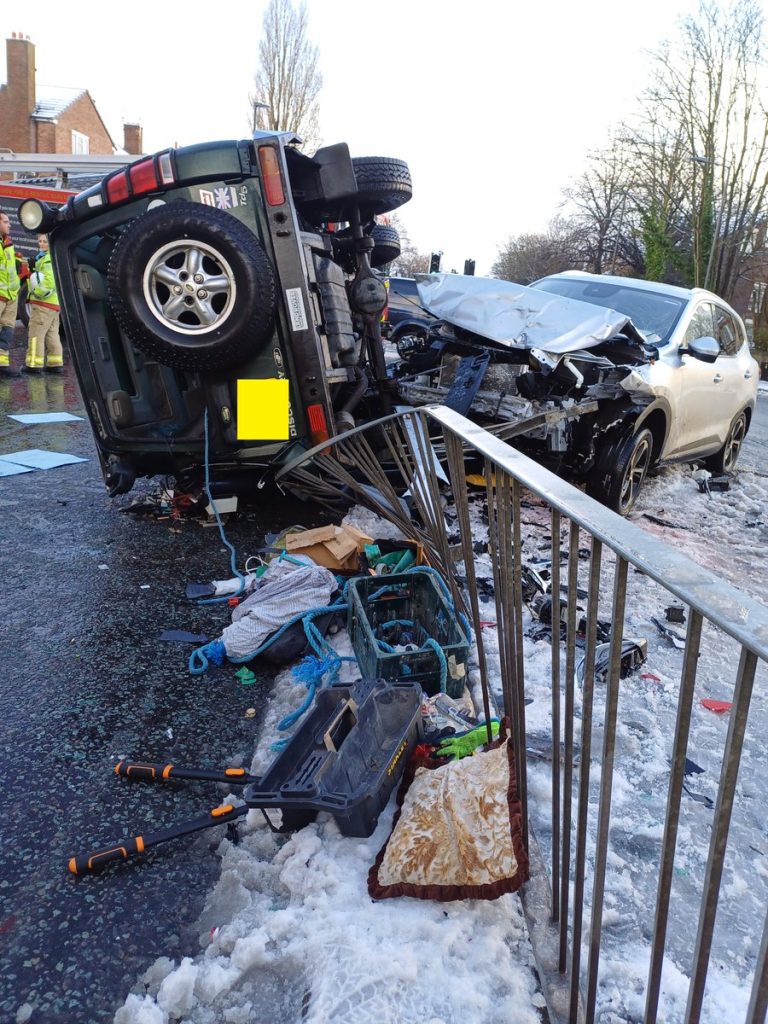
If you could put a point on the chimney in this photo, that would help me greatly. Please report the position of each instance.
(132, 139)
(20, 57)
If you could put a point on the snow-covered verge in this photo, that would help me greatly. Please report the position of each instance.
(290, 933)
(301, 940)
(725, 532)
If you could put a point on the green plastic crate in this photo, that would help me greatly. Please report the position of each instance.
(402, 610)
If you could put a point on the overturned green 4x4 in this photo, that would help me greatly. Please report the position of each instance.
(220, 304)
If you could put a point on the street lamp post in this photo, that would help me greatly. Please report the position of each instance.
(258, 106)
(716, 229)
(716, 221)
(618, 232)
(703, 162)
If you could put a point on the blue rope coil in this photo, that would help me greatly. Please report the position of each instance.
(321, 670)
(200, 657)
(233, 555)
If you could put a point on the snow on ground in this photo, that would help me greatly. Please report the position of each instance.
(290, 933)
(724, 532)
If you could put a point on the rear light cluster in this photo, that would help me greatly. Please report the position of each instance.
(318, 425)
(139, 178)
(270, 175)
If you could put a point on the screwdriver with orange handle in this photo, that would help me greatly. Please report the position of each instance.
(149, 771)
(123, 851)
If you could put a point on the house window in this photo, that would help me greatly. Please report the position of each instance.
(80, 143)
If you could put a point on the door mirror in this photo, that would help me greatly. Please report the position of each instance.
(706, 349)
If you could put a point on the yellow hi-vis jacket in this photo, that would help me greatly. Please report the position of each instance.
(42, 284)
(9, 276)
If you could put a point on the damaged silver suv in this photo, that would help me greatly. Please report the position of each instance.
(603, 377)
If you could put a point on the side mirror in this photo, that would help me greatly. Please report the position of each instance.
(706, 349)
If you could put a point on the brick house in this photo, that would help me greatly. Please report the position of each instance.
(51, 120)
(750, 294)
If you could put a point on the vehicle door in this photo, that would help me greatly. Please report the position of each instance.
(709, 393)
(688, 380)
(736, 365)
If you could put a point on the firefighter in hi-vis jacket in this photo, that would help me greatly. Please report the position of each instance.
(44, 351)
(9, 293)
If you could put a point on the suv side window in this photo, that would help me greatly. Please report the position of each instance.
(702, 323)
(727, 332)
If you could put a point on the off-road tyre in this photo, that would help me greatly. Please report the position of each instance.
(224, 306)
(383, 184)
(386, 248)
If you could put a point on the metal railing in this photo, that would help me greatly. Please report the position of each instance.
(566, 901)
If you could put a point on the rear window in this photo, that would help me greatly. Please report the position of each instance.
(653, 313)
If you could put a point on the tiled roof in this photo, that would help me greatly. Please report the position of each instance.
(53, 100)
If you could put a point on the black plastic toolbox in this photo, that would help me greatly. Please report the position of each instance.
(345, 758)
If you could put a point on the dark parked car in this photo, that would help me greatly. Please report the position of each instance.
(403, 302)
(215, 314)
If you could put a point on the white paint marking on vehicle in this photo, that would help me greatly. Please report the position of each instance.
(296, 311)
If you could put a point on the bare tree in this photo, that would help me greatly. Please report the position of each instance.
(661, 182)
(410, 261)
(707, 106)
(602, 207)
(679, 193)
(527, 257)
(287, 82)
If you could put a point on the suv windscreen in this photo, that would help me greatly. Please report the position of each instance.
(654, 314)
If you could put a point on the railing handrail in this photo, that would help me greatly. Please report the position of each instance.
(740, 616)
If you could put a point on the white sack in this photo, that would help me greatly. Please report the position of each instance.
(275, 602)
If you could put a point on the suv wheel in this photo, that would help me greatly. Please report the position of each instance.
(618, 485)
(725, 460)
(192, 287)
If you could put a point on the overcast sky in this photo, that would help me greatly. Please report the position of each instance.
(494, 105)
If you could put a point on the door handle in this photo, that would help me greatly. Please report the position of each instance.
(717, 379)
(747, 374)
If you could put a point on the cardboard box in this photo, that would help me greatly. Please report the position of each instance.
(336, 547)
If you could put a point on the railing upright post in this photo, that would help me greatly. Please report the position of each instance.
(570, 671)
(588, 688)
(556, 756)
(519, 690)
(606, 784)
(758, 1002)
(505, 613)
(720, 826)
(459, 486)
(676, 779)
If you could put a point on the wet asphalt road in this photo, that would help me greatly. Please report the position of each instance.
(84, 679)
